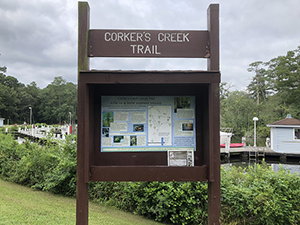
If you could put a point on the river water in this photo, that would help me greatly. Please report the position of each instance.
(275, 166)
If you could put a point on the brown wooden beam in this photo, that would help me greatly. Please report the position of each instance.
(213, 63)
(82, 157)
(148, 173)
(150, 77)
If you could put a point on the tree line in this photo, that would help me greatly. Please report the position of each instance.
(273, 92)
(52, 104)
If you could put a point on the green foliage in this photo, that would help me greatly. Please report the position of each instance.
(13, 128)
(260, 86)
(263, 131)
(175, 202)
(272, 94)
(57, 100)
(237, 111)
(8, 102)
(50, 168)
(33, 166)
(39, 125)
(255, 195)
(10, 154)
(285, 72)
(258, 195)
(61, 179)
(51, 104)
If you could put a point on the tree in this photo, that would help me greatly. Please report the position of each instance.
(51, 104)
(8, 103)
(9, 96)
(57, 100)
(259, 88)
(70, 98)
(237, 111)
(224, 90)
(285, 72)
(277, 83)
(3, 69)
(28, 98)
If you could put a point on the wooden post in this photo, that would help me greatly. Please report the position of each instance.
(83, 64)
(213, 63)
(214, 205)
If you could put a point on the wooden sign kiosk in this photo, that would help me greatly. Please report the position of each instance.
(95, 162)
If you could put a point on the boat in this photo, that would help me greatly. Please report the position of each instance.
(233, 145)
(225, 136)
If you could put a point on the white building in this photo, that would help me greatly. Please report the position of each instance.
(1, 122)
(285, 135)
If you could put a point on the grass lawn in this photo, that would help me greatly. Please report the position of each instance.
(22, 205)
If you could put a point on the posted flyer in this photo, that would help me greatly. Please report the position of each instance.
(147, 123)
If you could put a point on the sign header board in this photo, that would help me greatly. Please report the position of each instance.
(148, 43)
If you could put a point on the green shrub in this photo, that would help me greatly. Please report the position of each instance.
(258, 195)
(39, 125)
(10, 152)
(51, 167)
(13, 128)
(62, 179)
(33, 166)
(263, 131)
(175, 202)
(255, 195)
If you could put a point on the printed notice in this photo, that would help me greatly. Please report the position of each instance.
(185, 113)
(138, 117)
(147, 123)
(118, 127)
(121, 116)
(107, 141)
(182, 157)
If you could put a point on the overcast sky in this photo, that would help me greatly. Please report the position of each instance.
(38, 38)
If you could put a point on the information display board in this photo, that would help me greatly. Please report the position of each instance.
(147, 123)
(141, 125)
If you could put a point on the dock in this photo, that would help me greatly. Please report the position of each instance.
(249, 153)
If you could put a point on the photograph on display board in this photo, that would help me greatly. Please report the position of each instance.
(107, 118)
(182, 103)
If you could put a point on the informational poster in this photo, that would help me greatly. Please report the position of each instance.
(147, 123)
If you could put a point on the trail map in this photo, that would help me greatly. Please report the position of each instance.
(159, 125)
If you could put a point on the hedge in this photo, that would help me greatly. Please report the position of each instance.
(255, 195)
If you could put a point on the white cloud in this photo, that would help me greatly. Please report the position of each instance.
(38, 38)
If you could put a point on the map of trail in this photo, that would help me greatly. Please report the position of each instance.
(159, 125)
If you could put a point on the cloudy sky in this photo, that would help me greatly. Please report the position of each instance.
(38, 38)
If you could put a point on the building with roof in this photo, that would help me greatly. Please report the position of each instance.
(1, 122)
(285, 135)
